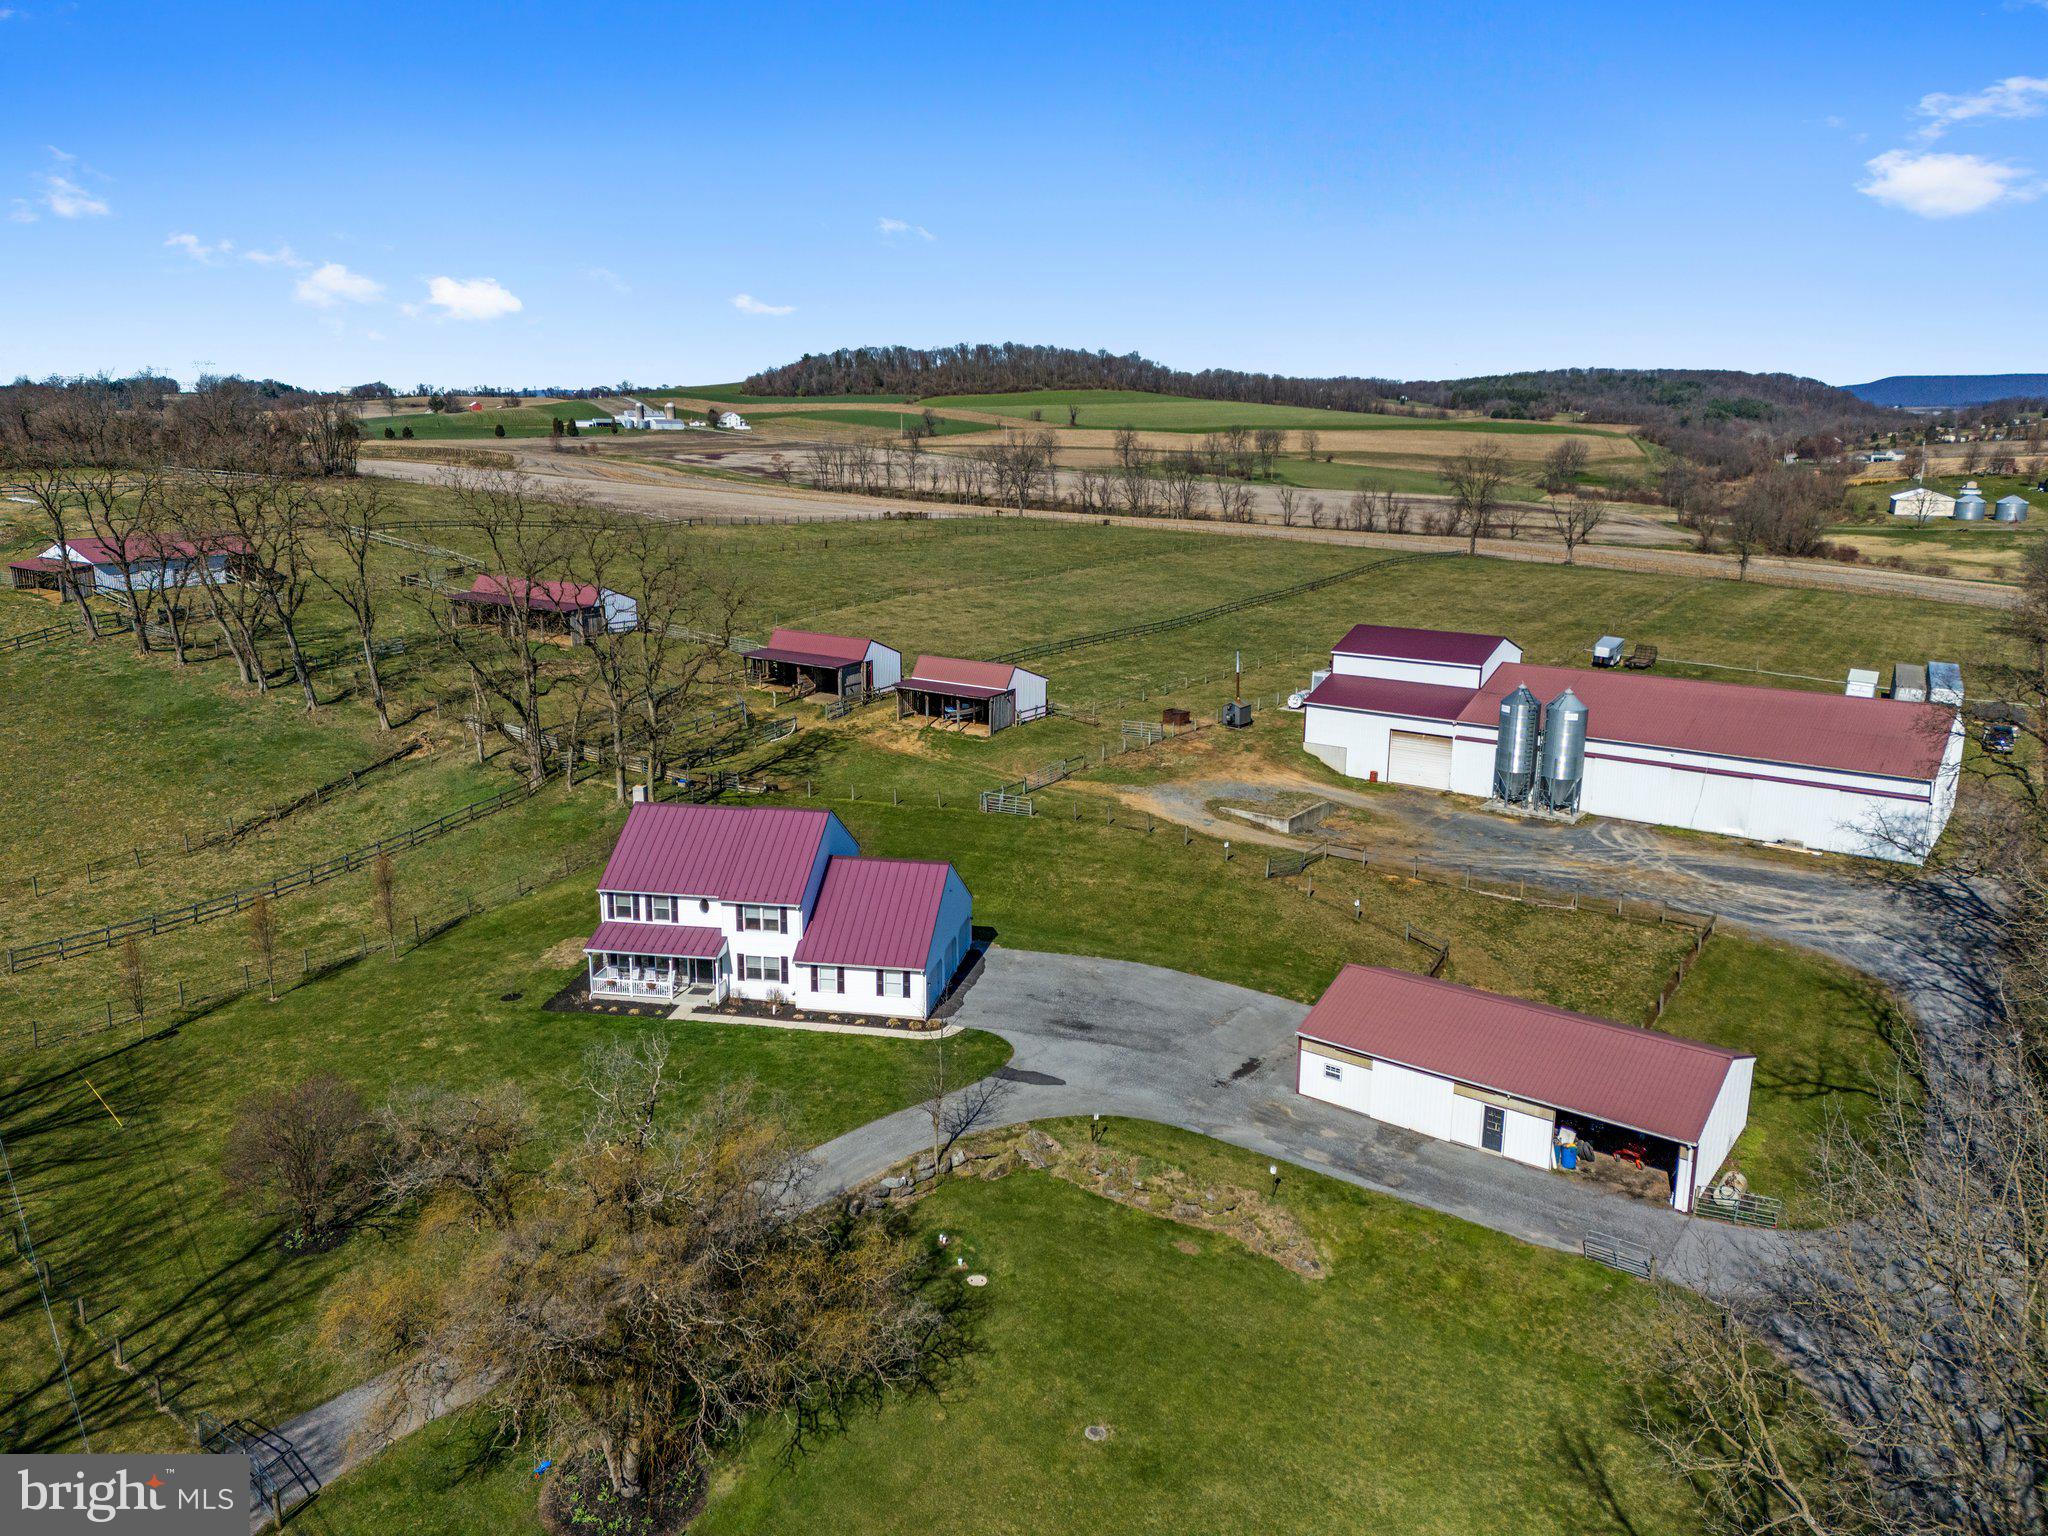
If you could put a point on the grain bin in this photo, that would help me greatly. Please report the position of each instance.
(1514, 748)
(1909, 682)
(2010, 509)
(1563, 768)
(1970, 507)
(1944, 683)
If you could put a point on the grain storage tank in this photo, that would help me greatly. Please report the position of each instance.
(1862, 683)
(1970, 506)
(2010, 509)
(1514, 750)
(1563, 767)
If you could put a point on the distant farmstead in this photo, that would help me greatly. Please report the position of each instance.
(700, 903)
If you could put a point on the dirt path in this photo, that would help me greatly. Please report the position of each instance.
(657, 492)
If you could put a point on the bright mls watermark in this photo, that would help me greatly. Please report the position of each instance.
(161, 1495)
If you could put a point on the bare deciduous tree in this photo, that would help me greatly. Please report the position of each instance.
(1289, 500)
(303, 1155)
(1476, 478)
(438, 1139)
(1577, 517)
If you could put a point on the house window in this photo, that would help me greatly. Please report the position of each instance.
(616, 905)
(892, 983)
(661, 909)
(1331, 1069)
(764, 920)
(764, 968)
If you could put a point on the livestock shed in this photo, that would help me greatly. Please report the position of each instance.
(148, 562)
(1507, 1076)
(573, 609)
(976, 695)
(1875, 777)
(844, 666)
(48, 573)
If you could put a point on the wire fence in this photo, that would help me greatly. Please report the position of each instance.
(164, 1005)
(90, 940)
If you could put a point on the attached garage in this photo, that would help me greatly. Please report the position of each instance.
(1505, 1076)
(1413, 758)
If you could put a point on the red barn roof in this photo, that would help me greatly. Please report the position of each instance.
(879, 912)
(1450, 646)
(967, 679)
(151, 546)
(809, 648)
(547, 596)
(758, 854)
(1389, 696)
(1888, 737)
(1637, 1078)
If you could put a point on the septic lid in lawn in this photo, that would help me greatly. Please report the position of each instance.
(1096, 1432)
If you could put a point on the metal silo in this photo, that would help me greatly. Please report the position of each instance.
(1514, 750)
(1969, 508)
(2010, 509)
(1564, 753)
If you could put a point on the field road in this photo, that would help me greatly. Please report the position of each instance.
(636, 486)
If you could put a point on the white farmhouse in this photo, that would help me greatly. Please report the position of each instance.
(704, 902)
(1523, 1080)
(732, 421)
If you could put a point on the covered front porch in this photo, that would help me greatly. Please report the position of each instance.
(661, 962)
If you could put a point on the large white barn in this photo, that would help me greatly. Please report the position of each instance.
(1875, 777)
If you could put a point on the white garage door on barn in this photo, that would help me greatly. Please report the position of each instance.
(1413, 758)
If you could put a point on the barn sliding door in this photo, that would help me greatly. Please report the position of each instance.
(1413, 758)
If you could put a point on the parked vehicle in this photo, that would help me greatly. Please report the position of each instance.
(1999, 737)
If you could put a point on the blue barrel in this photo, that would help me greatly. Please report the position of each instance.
(1567, 1158)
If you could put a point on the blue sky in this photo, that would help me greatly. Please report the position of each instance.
(529, 194)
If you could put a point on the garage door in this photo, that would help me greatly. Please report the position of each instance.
(1413, 758)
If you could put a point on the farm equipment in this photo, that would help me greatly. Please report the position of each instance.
(1642, 658)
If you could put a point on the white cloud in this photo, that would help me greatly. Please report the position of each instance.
(21, 212)
(609, 278)
(61, 156)
(282, 256)
(198, 249)
(747, 304)
(468, 298)
(332, 284)
(68, 200)
(889, 229)
(1942, 186)
(2014, 96)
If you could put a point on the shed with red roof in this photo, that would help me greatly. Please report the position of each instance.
(978, 696)
(1507, 1076)
(149, 562)
(811, 661)
(576, 610)
(1874, 777)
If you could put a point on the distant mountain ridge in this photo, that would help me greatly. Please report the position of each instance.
(1937, 391)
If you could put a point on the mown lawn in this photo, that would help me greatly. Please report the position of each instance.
(1442, 1379)
(1829, 1042)
(133, 1215)
(517, 420)
(1103, 408)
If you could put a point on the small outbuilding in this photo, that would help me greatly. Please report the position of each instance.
(2011, 509)
(148, 562)
(49, 573)
(575, 610)
(1508, 1077)
(809, 661)
(1922, 503)
(977, 695)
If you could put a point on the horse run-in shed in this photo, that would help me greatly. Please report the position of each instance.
(844, 666)
(975, 695)
(576, 610)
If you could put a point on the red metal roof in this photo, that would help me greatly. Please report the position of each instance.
(879, 912)
(150, 546)
(656, 939)
(1452, 646)
(941, 674)
(809, 648)
(45, 563)
(758, 854)
(1779, 725)
(548, 596)
(1637, 1078)
(1387, 696)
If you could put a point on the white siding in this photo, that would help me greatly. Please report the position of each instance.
(1422, 1102)
(1356, 743)
(1030, 690)
(862, 994)
(1725, 1122)
(1350, 1088)
(888, 665)
(1443, 673)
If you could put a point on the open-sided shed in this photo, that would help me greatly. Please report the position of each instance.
(843, 666)
(987, 695)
